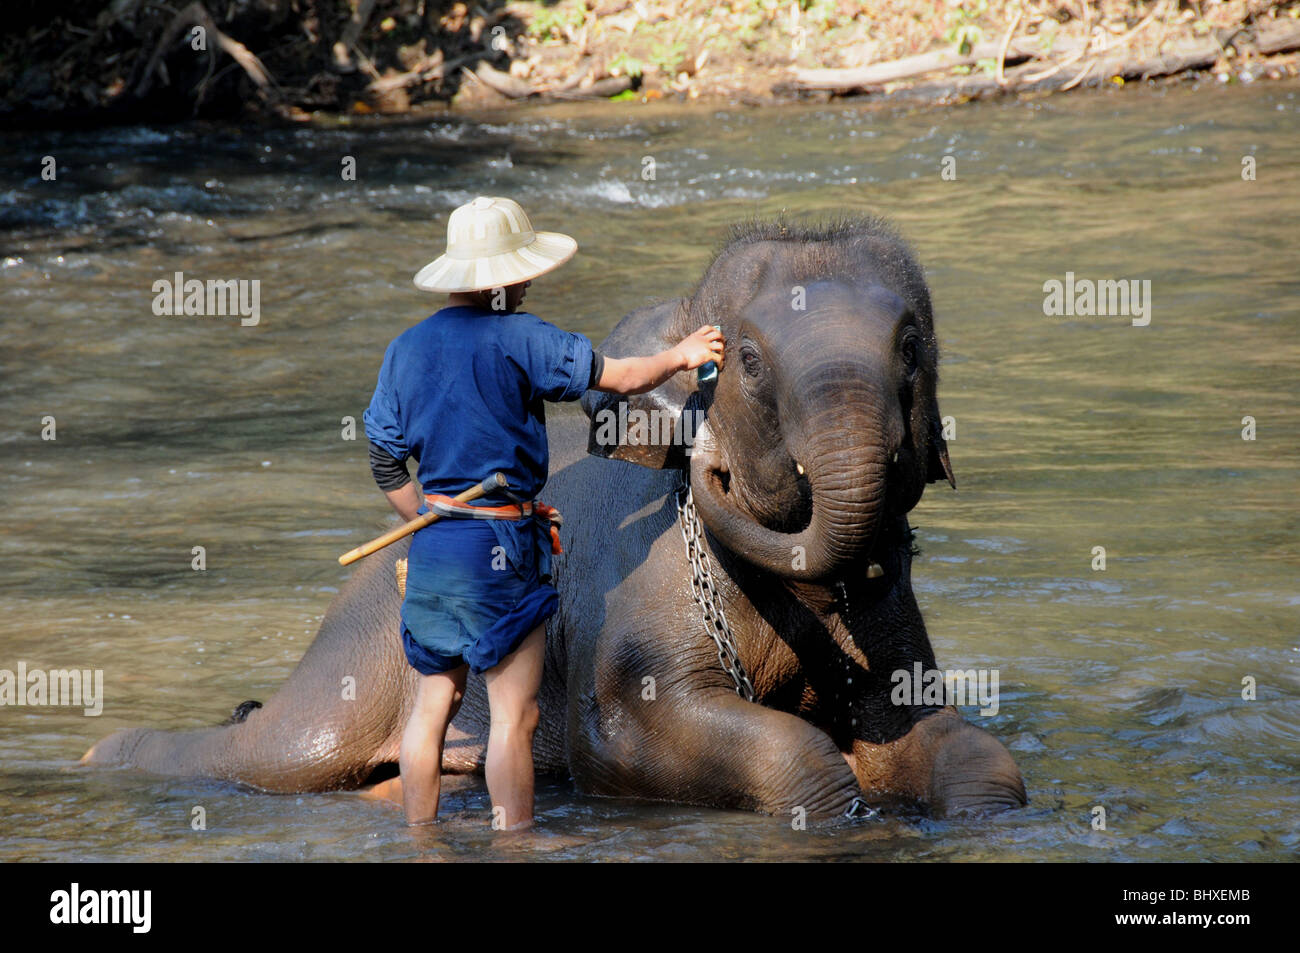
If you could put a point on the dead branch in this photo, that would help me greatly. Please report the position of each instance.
(196, 14)
(351, 33)
(503, 83)
(878, 74)
(430, 68)
(1006, 41)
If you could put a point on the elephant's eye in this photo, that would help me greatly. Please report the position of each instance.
(752, 362)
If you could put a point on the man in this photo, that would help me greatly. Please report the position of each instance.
(464, 392)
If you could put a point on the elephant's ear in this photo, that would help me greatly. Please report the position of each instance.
(644, 428)
(938, 467)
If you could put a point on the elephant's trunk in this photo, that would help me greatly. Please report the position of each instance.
(845, 461)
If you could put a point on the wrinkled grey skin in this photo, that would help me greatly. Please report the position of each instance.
(634, 701)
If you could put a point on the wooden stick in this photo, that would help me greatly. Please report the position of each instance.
(880, 73)
(495, 482)
(1000, 75)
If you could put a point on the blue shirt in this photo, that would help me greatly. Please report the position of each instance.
(463, 391)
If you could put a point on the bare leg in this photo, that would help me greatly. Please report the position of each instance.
(436, 702)
(512, 699)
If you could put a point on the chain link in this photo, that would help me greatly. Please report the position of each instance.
(706, 592)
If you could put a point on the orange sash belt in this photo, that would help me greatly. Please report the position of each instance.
(454, 509)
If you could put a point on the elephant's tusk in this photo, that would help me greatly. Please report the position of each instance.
(799, 466)
(874, 571)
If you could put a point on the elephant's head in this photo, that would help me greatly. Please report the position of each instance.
(824, 426)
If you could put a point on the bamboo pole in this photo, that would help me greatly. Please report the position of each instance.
(496, 481)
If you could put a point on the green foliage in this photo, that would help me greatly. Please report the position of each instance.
(668, 56)
(822, 11)
(628, 65)
(965, 32)
(550, 22)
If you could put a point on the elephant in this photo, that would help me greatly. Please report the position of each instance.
(735, 591)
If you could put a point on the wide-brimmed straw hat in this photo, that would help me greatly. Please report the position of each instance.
(491, 244)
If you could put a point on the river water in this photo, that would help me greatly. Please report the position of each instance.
(1120, 689)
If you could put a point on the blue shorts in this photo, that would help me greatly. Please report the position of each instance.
(475, 589)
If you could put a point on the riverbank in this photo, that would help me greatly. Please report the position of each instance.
(69, 62)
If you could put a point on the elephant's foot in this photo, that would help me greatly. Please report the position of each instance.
(390, 789)
(944, 763)
(462, 755)
(973, 773)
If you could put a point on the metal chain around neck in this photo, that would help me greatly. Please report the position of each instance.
(706, 592)
(715, 619)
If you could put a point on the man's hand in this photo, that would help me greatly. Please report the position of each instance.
(636, 375)
(706, 344)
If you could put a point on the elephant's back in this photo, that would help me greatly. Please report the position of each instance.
(609, 509)
(613, 512)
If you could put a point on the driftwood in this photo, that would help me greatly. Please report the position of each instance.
(505, 84)
(1118, 44)
(1275, 36)
(1192, 55)
(196, 14)
(1000, 74)
(1198, 54)
(515, 88)
(1269, 37)
(430, 68)
(573, 81)
(600, 89)
(878, 74)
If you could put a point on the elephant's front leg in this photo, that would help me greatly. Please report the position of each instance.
(707, 746)
(945, 763)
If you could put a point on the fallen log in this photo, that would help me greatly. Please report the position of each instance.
(515, 88)
(600, 89)
(503, 83)
(573, 81)
(1275, 36)
(1279, 38)
(878, 74)
(1180, 57)
(1268, 37)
